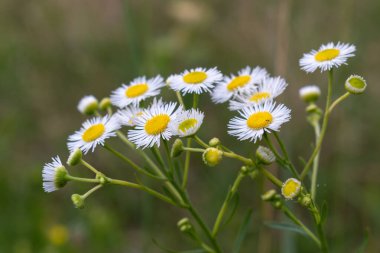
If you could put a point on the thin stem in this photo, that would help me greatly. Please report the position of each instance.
(143, 188)
(337, 101)
(90, 167)
(200, 142)
(195, 100)
(282, 146)
(180, 100)
(198, 150)
(226, 202)
(324, 127)
(167, 151)
(132, 164)
(238, 157)
(299, 223)
(270, 177)
(187, 164)
(84, 196)
(313, 188)
(82, 179)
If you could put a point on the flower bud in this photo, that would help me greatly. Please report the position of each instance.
(265, 155)
(212, 156)
(75, 157)
(305, 200)
(214, 142)
(177, 148)
(291, 188)
(88, 105)
(310, 93)
(355, 84)
(277, 204)
(269, 195)
(184, 225)
(105, 103)
(78, 201)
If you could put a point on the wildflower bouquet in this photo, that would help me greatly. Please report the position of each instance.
(145, 127)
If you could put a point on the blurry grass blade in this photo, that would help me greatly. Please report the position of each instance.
(234, 205)
(363, 246)
(285, 226)
(175, 251)
(242, 232)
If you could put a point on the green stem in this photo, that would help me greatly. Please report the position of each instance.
(299, 223)
(180, 100)
(324, 127)
(238, 157)
(81, 179)
(90, 167)
(200, 142)
(226, 202)
(187, 164)
(131, 163)
(84, 196)
(270, 177)
(313, 188)
(337, 101)
(195, 100)
(143, 188)
(167, 151)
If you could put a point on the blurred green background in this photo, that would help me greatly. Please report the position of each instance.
(54, 52)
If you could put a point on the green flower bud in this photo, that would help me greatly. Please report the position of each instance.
(310, 93)
(60, 177)
(88, 105)
(177, 148)
(78, 201)
(212, 156)
(278, 204)
(214, 142)
(105, 103)
(305, 200)
(355, 84)
(265, 155)
(269, 195)
(75, 157)
(184, 225)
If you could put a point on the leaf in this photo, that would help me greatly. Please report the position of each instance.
(175, 251)
(364, 244)
(324, 212)
(285, 226)
(242, 232)
(235, 203)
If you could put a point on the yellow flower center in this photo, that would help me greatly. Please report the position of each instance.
(94, 132)
(291, 188)
(259, 96)
(187, 124)
(157, 124)
(239, 81)
(327, 54)
(58, 235)
(259, 120)
(136, 90)
(195, 77)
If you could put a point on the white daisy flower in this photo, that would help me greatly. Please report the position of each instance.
(153, 125)
(258, 119)
(268, 88)
(231, 86)
(127, 116)
(139, 89)
(196, 80)
(54, 175)
(88, 105)
(186, 123)
(327, 57)
(93, 132)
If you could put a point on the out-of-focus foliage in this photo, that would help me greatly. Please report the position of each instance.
(54, 52)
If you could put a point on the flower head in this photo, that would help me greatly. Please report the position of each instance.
(88, 105)
(258, 119)
(127, 116)
(327, 57)
(153, 125)
(310, 93)
(196, 80)
(186, 123)
(355, 84)
(212, 156)
(137, 90)
(54, 175)
(93, 132)
(267, 89)
(291, 188)
(245, 81)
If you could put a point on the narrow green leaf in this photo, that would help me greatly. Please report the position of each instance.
(324, 212)
(235, 204)
(285, 226)
(242, 232)
(364, 244)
